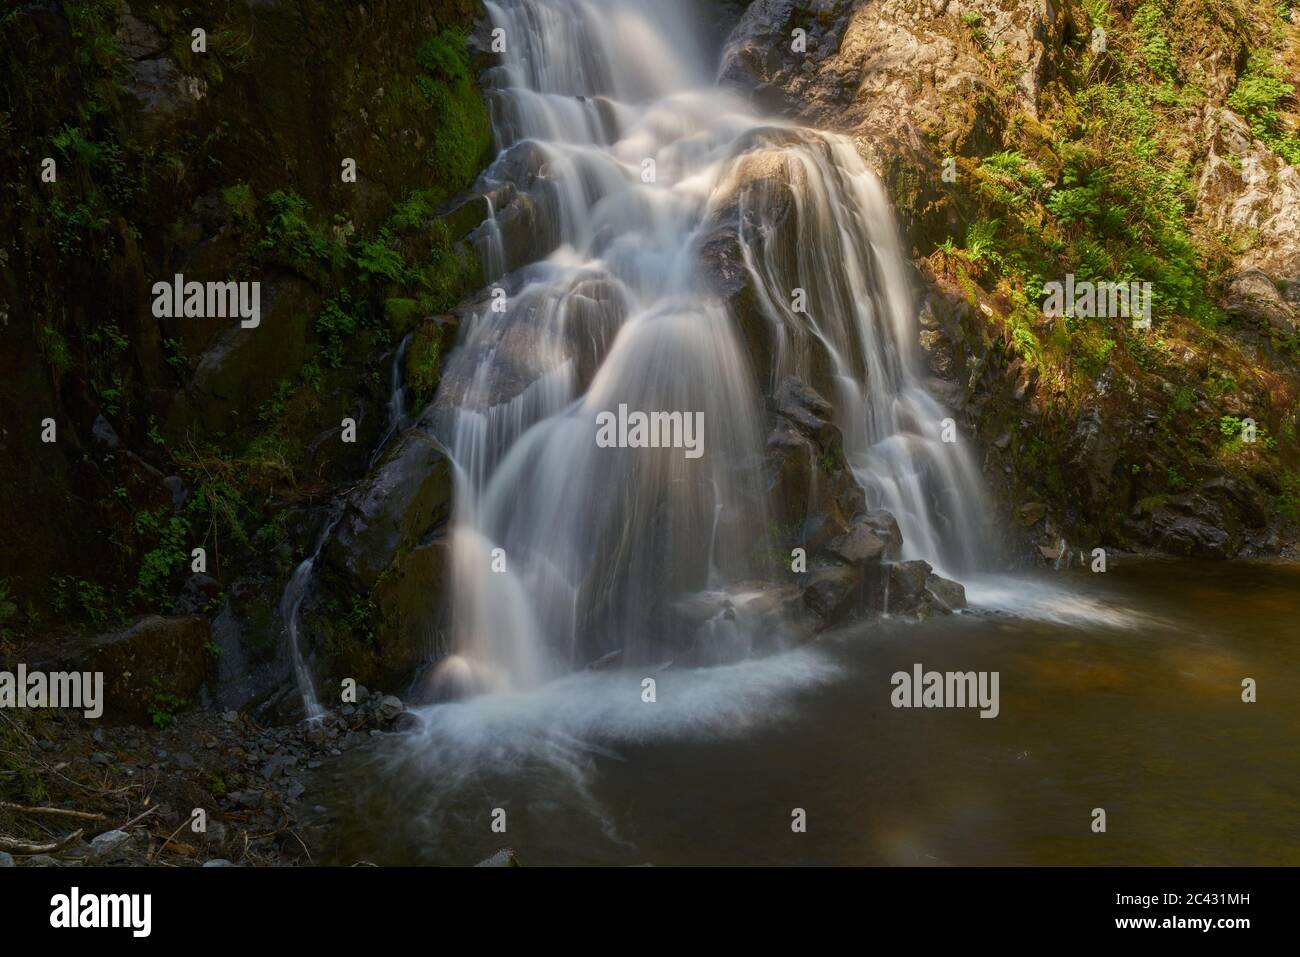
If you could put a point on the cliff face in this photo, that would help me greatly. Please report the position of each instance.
(1110, 142)
(1022, 142)
(214, 140)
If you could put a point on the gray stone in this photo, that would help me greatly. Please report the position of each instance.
(390, 706)
(107, 847)
(947, 595)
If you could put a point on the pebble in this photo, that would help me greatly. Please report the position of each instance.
(99, 757)
(107, 846)
(6, 859)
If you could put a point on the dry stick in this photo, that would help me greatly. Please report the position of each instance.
(26, 850)
(310, 860)
(163, 845)
(53, 811)
(143, 814)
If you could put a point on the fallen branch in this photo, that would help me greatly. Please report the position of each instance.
(18, 847)
(53, 811)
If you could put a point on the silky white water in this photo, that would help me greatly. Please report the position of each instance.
(564, 550)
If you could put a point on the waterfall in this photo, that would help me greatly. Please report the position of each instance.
(290, 605)
(564, 550)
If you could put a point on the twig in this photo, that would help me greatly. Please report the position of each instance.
(143, 814)
(18, 847)
(310, 860)
(162, 847)
(53, 811)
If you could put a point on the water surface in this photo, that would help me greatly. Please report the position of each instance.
(1120, 691)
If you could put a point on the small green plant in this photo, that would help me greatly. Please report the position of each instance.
(290, 238)
(164, 707)
(160, 563)
(1257, 96)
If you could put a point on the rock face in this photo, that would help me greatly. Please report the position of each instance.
(900, 76)
(378, 610)
(156, 665)
(222, 165)
(1135, 461)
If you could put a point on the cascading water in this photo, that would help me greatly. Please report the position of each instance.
(562, 549)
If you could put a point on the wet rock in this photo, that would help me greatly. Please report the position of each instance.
(608, 661)
(176, 488)
(505, 857)
(1191, 525)
(277, 765)
(389, 708)
(885, 527)
(407, 496)
(136, 38)
(946, 595)
(860, 546)
(813, 493)
(907, 585)
(245, 799)
(165, 94)
(199, 591)
(406, 722)
(832, 592)
(104, 433)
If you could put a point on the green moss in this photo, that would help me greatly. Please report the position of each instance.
(464, 134)
(424, 361)
(242, 203)
(401, 313)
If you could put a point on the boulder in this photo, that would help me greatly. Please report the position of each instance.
(405, 498)
(944, 594)
(832, 593)
(907, 586)
(153, 663)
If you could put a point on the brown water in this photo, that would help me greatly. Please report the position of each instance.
(1130, 700)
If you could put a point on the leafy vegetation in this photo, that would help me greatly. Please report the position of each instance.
(1261, 89)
